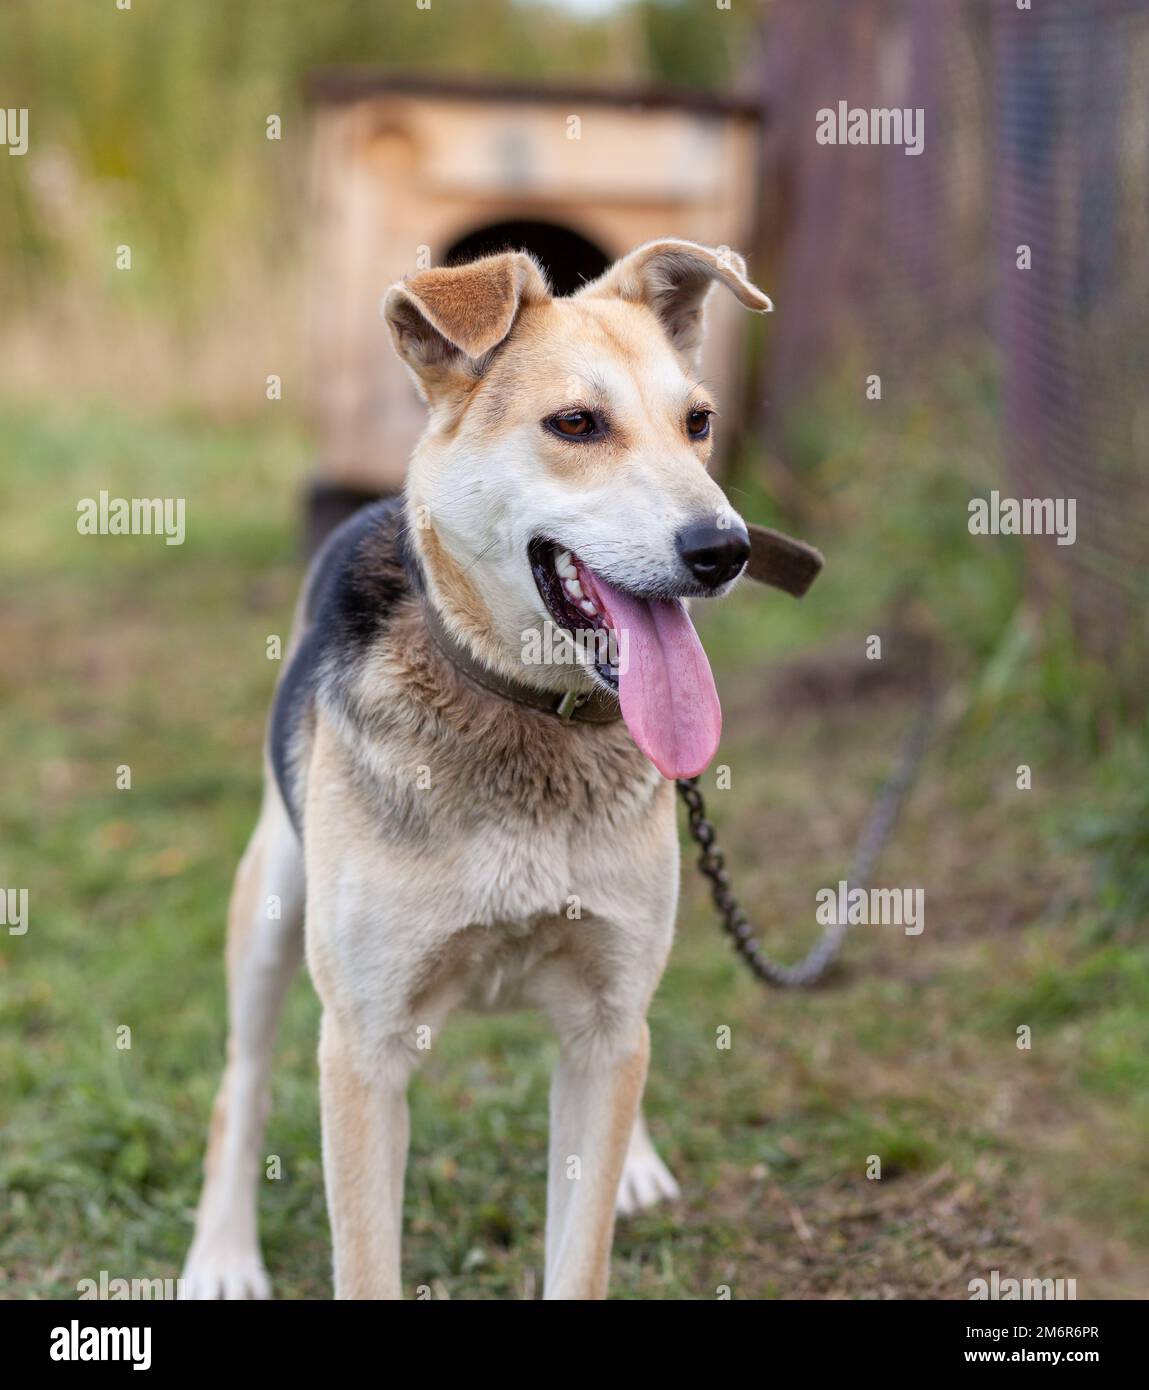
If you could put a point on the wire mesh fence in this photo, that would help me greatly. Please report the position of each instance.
(1071, 89)
(1021, 226)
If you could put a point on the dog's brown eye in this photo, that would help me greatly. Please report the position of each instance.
(574, 424)
(698, 424)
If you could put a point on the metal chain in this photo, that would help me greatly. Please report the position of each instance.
(712, 864)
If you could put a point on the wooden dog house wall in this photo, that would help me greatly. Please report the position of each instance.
(409, 172)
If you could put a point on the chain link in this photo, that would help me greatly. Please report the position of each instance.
(712, 864)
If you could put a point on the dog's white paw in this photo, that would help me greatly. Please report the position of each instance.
(224, 1274)
(646, 1181)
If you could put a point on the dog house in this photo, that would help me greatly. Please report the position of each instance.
(408, 172)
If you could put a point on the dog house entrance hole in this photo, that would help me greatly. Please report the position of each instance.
(568, 258)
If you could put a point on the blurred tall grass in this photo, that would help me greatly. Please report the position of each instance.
(147, 128)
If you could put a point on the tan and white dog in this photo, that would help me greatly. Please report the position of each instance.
(468, 823)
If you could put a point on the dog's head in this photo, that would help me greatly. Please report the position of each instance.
(563, 477)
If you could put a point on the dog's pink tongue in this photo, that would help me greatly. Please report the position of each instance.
(665, 685)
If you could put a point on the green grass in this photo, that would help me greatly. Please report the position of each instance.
(1032, 1162)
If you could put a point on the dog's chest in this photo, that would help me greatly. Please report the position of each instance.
(505, 868)
(515, 830)
(450, 876)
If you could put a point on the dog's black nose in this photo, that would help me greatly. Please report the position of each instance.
(713, 554)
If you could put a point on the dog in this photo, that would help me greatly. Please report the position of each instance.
(468, 825)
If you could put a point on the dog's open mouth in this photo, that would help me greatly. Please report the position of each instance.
(643, 647)
(571, 598)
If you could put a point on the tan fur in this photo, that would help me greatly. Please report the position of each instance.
(459, 595)
(474, 305)
(458, 849)
(587, 331)
(584, 1269)
(262, 955)
(461, 311)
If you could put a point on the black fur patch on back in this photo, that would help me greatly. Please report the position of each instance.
(359, 575)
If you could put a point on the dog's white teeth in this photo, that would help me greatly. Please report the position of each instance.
(567, 571)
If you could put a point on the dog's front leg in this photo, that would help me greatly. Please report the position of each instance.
(365, 1136)
(595, 1098)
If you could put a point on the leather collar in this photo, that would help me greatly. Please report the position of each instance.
(596, 706)
(781, 561)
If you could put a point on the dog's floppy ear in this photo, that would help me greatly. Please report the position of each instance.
(445, 321)
(673, 278)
